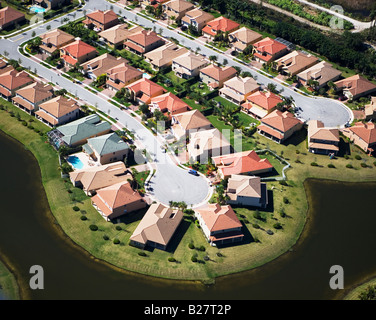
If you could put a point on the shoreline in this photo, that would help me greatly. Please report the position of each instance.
(209, 280)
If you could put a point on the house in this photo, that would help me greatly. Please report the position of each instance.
(122, 75)
(242, 38)
(153, 3)
(246, 162)
(190, 121)
(204, 144)
(99, 177)
(261, 103)
(219, 25)
(268, 50)
(51, 4)
(10, 17)
(30, 97)
(370, 110)
(101, 20)
(237, 89)
(163, 56)
(295, 62)
(214, 76)
(143, 90)
(322, 140)
(99, 65)
(322, 73)
(106, 148)
(279, 125)
(363, 135)
(196, 18)
(355, 87)
(188, 65)
(54, 40)
(77, 132)
(168, 103)
(117, 35)
(219, 224)
(116, 200)
(143, 42)
(11, 81)
(176, 9)
(157, 227)
(77, 52)
(247, 191)
(58, 111)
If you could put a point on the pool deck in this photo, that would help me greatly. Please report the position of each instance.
(86, 161)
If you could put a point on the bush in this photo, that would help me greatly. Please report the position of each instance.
(374, 163)
(201, 248)
(171, 259)
(277, 226)
(83, 218)
(286, 200)
(283, 183)
(346, 157)
(257, 215)
(116, 241)
(282, 213)
(314, 164)
(349, 166)
(256, 226)
(194, 259)
(142, 254)
(358, 157)
(191, 245)
(105, 237)
(93, 227)
(331, 165)
(75, 208)
(118, 228)
(363, 165)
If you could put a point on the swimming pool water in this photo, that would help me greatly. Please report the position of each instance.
(75, 162)
(37, 9)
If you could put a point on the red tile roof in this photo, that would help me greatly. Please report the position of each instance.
(241, 162)
(366, 131)
(171, 103)
(78, 49)
(8, 14)
(217, 217)
(270, 46)
(265, 100)
(146, 86)
(220, 24)
(282, 121)
(103, 17)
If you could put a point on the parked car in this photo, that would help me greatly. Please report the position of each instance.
(194, 172)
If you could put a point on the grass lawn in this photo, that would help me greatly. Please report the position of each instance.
(62, 197)
(8, 283)
(354, 294)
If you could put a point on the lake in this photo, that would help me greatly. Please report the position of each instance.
(339, 231)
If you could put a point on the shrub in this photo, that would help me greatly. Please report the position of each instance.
(171, 259)
(219, 254)
(277, 226)
(93, 227)
(358, 157)
(346, 157)
(286, 200)
(256, 226)
(257, 214)
(118, 228)
(191, 245)
(297, 151)
(349, 166)
(142, 254)
(106, 237)
(75, 208)
(282, 213)
(331, 165)
(314, 164)
(283, 183)
(201, 248)
(194, 259)
(116, 241)
(363, 165)
(83, 218)
(374, 163)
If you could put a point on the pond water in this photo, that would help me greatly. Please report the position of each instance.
(340, 231)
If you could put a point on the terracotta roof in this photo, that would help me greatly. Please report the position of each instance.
(147, 87)
(14, 79)
(270, 46)
(123, 73)
(103, 17)
(220, 24)
(322, 72)
(246, 36)
(168, 102)
(296, 61)
(165, 54)
(36, 92)
(366, 131)
(282, 121)
(266, 100)
(217, 217)
(99, 65)
(356, 85)
(144, 38)
(45, 116)
(241, 162)
(8, 14)
(95, 178)
(59, 106)
(78, 49)
(217, 73)
(115, 196)
(191, 120)
(158, 225)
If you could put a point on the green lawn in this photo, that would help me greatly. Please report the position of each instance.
(8, 283)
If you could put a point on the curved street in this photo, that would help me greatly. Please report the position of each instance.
(170, 182)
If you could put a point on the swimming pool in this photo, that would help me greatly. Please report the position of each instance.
(37, 9)
(146, 75)
(75, 162)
